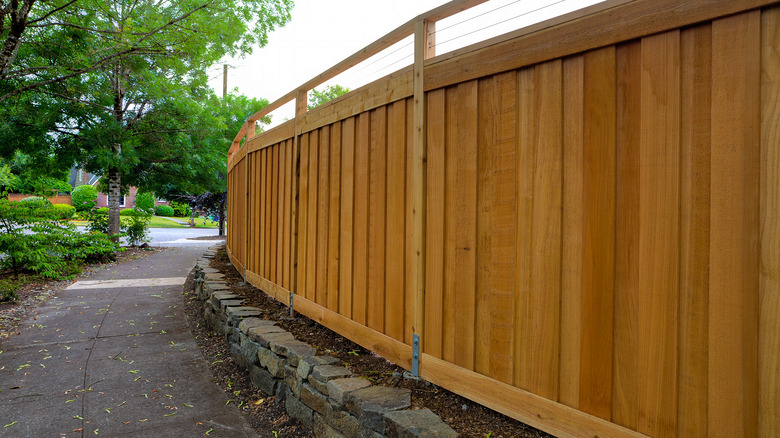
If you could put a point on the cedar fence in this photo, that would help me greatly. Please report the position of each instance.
(576, 224)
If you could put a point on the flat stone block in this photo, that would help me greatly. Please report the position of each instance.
(214, 276)
(344, 423)
(300, 411)
(323, 429)
(249, 350)
(322, 374)
(307, 364)
(273, 363)
(314, 399)
(263, 380)
(293, 380)
(224, 304)
(264, 336)
(337, 388)
(249, 323)
(419, 423)
(217, 297)
(239, 358)
(292, 350)
(236, 314)
(371, 403)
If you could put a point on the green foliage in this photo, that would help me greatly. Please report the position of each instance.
(144, 201)
(42, 176)
(98, 220)
(36, 202)
(164, 210)
(127, 212)
(102, 210)
(137, 228)
(64, 211)
(32, 241)
(180, 209)
(7, 178)
(84, 197)
(317, 98)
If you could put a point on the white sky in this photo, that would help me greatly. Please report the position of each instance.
(324, 32)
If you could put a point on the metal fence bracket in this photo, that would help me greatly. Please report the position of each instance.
(416, 355)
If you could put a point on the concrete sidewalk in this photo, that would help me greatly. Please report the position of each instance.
(112, 356)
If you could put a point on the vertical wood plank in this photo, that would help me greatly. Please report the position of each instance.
(434, 252)
(395, 235)
(288, 215)
(502, 176)
(769, 321)
(347, 216)
(360, 274)
(313, 237)
(483, 198)
(626, 346)
(334, 225)
(571, 270)
(734, 277)
(415, 292)
(302, 216)
(466, 287)
(598, 240)
(377, 219)
(696, 89)
(280, 207)
(451, 189)
(544, 136)
(273, 163)
(659, 234)
(262, 242)
(323, 216)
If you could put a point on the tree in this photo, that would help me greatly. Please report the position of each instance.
(132, 74)
(317, 98)
(84, 197)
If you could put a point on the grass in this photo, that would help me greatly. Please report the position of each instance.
(161, 222)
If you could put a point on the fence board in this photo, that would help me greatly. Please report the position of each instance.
(769, 328)
(347, 217)
(334, 224)
(734, 225)
(395, 236)
(377, 188)
(434, 228)
(360, 285)
(696, 89)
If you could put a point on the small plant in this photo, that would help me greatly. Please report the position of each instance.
(36, 202)
(180, 209)
(137, 228)
(84, 197)
(164, 210)
(98, 220)
(145, 202)
(128, 211)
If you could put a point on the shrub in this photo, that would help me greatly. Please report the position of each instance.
(98, 220)
(102, 210)
(180, 209)
(36, 202)
(145, 201)
(127, 212)
(137, 228)
(164, 210)
(84, 197)
(31, 241)
(64, 211)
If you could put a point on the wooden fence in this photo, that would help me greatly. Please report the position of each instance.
(579, 222)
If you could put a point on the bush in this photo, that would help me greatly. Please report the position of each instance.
(137, 228)
(84, 197)
(145, 202)
(164, 210)
(31, 241)
(64, 211)
(180, 209)
(127, 212)
(98, 220)
(36, 202)
(102, 210)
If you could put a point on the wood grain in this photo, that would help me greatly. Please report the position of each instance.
(395, 232)
(734, 220)
(377, 208)
(347, 209)
(360, 272)
(334, 223)
(769, 322)
(434, 233)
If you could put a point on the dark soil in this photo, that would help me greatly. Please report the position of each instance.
(469, 419)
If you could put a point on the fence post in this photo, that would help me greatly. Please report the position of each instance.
(301, 99)
(424, 47)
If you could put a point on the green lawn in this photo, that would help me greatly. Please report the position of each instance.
(161, 222)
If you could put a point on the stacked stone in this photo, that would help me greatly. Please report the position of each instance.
(314, 389)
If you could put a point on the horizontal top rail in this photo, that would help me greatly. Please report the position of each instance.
(444, 11)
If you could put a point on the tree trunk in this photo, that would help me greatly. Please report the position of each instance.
(114, 193)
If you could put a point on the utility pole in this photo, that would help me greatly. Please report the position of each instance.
(224, 80)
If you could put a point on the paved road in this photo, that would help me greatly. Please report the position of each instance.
(179, 236)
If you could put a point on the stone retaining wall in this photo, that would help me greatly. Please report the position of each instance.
(314, 389)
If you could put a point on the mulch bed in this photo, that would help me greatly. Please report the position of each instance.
(469, 419)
